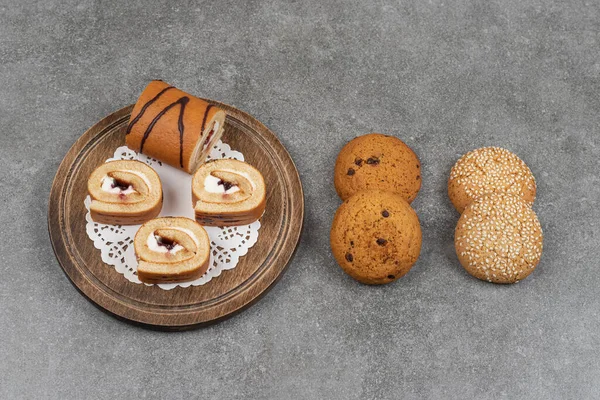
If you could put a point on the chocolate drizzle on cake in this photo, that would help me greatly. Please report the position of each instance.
(143, 110)
(181, 102)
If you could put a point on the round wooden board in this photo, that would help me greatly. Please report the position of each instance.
(179, 308)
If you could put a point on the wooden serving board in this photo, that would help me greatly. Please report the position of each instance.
(179, 308)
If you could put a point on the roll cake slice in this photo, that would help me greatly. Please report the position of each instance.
(171, 249)
(124, 192)
(228, 192)
(173, 126)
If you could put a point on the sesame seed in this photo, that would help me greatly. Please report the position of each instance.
(502, 236)
(492, 170)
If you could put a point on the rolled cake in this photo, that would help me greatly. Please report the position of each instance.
(171, 249)
(228, 192)
(173, 126)
(124, 192)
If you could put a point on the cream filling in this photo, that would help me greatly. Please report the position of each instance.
(108, 182)
(152, 241)
(141, 175)
(109, 185)
(153, 245)
(245, 175)
(211, 185)
(208, 184)
(211, 133)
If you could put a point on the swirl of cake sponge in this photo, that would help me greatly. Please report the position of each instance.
(171, 249)
(124, 192)
(228, 192)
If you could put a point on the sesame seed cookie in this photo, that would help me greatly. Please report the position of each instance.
(499, 238)
(376, 161)
(376, 237)
(489, 170)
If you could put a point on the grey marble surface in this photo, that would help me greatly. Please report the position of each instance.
(444, 76)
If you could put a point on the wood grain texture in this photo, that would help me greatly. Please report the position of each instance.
(180, 308)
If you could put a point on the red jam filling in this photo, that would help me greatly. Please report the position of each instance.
(210, 134)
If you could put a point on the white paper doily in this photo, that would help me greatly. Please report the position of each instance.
(227, 244)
